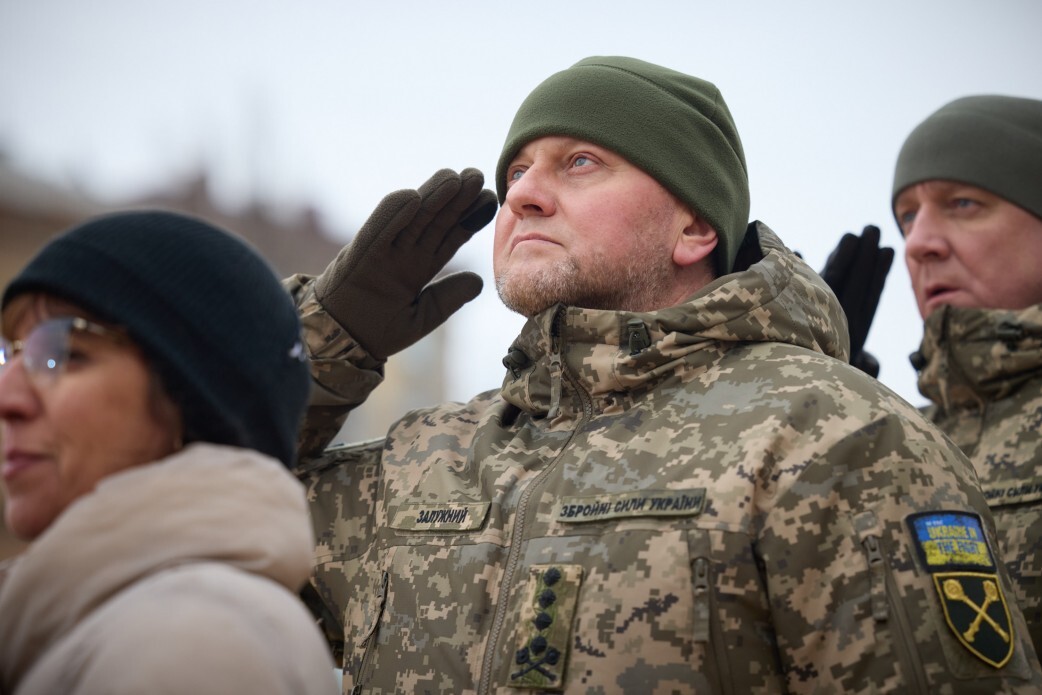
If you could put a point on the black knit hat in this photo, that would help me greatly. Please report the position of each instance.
(673, 126)
(992, 142)
(206, 309)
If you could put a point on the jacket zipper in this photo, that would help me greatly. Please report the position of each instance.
(707, 631)
(883, 588)
(517, 535)
(370, 640)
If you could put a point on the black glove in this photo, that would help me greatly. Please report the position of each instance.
(379, 286)
(856, 271)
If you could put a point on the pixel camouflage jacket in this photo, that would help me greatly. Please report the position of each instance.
(982, 369)
(698, 499)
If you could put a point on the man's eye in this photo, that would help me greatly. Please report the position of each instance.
(581, 161)
(905, 219)
(963, 203)
(515, 174)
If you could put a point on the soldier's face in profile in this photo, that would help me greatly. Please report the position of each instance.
(583, 226)
(967, 247)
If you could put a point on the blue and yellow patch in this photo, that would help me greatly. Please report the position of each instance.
(955, 551)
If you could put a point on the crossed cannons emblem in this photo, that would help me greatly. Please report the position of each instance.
(954, 591)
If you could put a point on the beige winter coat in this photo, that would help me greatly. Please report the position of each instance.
(175, 577)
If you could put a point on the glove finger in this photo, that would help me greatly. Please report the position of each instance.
(869, 286)
(446, 220)
(480, 212)
(884, 259)
(861, 269)
(442, 298)
(375, 237)
(435, 194)
(870, 235)
(472, 220)
(837, 266)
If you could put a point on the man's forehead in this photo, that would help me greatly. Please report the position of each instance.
(940, 187)
(557, 143)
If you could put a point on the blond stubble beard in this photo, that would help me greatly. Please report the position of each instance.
(643, 285)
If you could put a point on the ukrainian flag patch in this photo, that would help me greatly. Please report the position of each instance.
(955, 551)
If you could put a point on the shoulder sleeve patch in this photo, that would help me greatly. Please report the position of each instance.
(950, 540)
(955, 551)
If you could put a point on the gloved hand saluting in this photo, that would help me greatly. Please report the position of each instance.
(856, 271)
(379, 286)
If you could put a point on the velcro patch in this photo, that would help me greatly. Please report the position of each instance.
(574, 510)
(950, 541)
(445, 516)
(544, 632)
(955, 551)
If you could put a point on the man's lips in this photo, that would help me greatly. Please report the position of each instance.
(938, 294)
(522, 238)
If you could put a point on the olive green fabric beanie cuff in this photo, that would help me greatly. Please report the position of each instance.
(673, 126)
(991, 142)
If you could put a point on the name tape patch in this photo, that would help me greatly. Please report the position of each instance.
(1013, 492)
(574, 510)
(444, 516)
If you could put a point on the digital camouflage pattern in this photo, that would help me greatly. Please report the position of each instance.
(982, 369)
(699, 499)
(343, 373)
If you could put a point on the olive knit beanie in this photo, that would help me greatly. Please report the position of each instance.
(673, 126)
(207, 311)
(991, 142)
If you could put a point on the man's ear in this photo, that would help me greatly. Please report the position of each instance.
(695, 243)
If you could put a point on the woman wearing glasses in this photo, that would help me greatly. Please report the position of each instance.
(151, 386)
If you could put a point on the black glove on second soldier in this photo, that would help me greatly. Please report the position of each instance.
(379, 287)
(856, 271)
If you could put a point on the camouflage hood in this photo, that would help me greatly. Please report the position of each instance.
(969, 357)
(773, 296)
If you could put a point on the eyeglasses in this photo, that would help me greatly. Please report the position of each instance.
(45, 351)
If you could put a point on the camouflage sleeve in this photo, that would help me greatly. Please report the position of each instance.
(342, 372)
(882, 569)
(341, 487)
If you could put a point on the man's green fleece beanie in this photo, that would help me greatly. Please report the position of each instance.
(673, 126)
(991, 142)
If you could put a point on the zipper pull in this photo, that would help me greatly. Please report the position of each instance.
(701, 600)
(877, 571)
(556, 370)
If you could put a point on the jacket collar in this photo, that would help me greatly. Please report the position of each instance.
(971, 356)
(773, 297)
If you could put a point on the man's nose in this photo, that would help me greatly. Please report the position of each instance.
(925, 237)
(532, 193)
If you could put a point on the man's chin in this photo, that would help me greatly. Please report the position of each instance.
(531, 294)
(525, 305)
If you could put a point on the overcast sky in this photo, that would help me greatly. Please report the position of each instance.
(336, 103)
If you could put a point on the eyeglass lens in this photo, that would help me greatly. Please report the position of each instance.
(45, 350)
